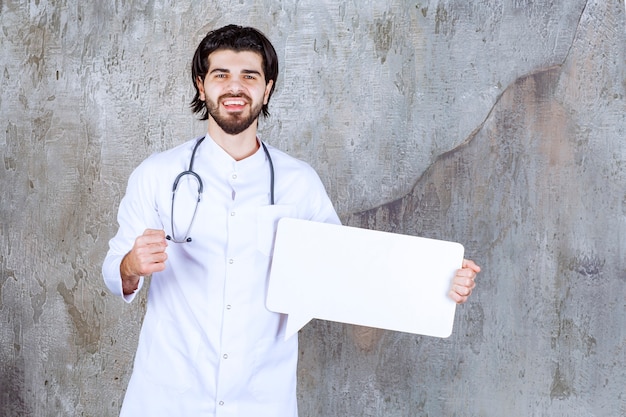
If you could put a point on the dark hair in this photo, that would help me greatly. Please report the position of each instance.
(234, 38)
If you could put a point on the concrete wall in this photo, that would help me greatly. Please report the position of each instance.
(498, 124)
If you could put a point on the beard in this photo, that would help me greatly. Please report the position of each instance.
(233, 124)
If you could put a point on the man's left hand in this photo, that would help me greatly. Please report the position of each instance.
(463, 282)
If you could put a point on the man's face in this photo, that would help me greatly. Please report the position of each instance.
(234, 89)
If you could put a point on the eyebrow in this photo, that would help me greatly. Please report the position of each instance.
(245, 71)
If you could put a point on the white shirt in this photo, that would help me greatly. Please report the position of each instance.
(208, 345)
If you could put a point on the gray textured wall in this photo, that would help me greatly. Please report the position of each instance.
(498, 124)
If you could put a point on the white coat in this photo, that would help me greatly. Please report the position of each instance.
(208, 345)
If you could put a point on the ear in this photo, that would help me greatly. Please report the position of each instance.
(200, 85)
(268, 89)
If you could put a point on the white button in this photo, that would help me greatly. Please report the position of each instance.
(232, 213)
(225, 356)
(234, 176)
(231, 261)
(221, 402)
(228, 307)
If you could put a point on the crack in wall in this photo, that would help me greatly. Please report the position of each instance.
(580, 17)
(465, 142)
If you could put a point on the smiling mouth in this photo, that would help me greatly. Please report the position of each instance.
(234, 102)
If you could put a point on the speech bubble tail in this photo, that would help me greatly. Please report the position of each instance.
(294, 324)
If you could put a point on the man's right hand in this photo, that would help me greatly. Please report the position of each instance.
(147, 256)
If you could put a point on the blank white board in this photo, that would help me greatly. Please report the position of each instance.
(363, 277)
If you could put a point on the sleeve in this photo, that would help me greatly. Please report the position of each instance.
(321, 207)
(137, 212)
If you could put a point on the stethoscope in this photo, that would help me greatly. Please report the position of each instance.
(190, 172)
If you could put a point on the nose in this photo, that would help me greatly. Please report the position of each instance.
(234, 86)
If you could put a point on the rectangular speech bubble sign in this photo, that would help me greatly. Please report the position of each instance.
(363, 277)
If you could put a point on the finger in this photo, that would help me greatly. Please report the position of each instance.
(154, 238)
(463, 288)
(466, 273)
(150, 252)
(458, 298)
(145, 262)
(468, 263)
(463, 281)
(155, 264)
(142, 261)
(155, 232)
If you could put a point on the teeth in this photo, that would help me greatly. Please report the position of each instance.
(234, 102)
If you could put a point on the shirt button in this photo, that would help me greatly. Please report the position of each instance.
(225, 356)
(228, 307)
(232, 213)
(234, 176)
(231, 261)
(221, 402)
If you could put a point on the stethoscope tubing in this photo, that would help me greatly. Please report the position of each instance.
(191, 172)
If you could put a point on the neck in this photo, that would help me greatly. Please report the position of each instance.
(239, 146)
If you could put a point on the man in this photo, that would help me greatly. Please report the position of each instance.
(200, 218)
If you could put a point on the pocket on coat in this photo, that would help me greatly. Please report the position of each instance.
(172, 355)
(267, 221)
